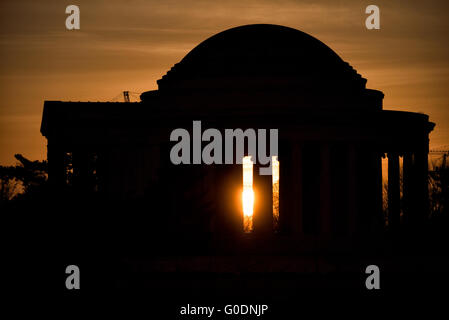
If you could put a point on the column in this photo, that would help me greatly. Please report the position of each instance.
(229, 219)
(290, 188)
(408, 187)
(56, 165)
(378, 219)
(296, 185)
(311, 191)
(285, 190)
(421, 199)
(352, 194)
(325, 191)
(263, 204)
(80, 170)
(393, 191)
(115, 167)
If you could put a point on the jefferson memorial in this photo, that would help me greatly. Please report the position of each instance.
(114, 158)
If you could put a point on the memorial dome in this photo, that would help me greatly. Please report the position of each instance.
(250, 53)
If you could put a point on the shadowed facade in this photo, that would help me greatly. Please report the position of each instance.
(333, 133)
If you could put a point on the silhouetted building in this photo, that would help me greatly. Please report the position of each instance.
(333, 133)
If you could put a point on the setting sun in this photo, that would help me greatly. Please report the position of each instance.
(248, 202)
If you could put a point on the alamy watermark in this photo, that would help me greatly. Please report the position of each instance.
(372, 22)
(73, 279)
(72, 22)
(212, 153)
(373, 280)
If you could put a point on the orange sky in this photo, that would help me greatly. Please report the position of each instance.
(128, 45)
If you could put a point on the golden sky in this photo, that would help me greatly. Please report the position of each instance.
(128, 45)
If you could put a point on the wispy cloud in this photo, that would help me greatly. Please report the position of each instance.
(130, 44)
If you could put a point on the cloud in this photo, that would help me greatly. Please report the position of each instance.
(128, 45)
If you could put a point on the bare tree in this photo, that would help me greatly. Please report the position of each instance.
(24, 177)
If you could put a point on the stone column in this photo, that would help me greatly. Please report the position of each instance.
(325, 191)
(408, 186)
(115, 167)
(285, 190)
(369, 190)
(421, 199)
(311, 180)
(290, 188)
(263, 204)
(80, 170)
(393, 191)
(229, 188)
(352, 194)
(296, 185)
(56, 165)
(378, 220)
